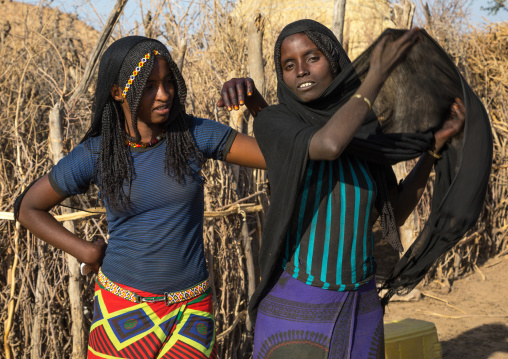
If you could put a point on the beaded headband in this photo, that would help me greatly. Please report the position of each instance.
(136, 72)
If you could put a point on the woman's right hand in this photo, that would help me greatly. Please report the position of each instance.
(95, 257)
(385, 57)
(241, 91)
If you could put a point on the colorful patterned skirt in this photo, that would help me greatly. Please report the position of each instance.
(125, 329)
(296, 320)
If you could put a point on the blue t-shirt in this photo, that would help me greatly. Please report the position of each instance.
(156, 245)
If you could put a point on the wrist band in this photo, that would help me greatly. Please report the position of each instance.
(434, 154)
(367, 101)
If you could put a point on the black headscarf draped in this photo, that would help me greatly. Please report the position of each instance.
(422, 87)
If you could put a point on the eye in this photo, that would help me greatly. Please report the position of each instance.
(314, 58)
(288, 67)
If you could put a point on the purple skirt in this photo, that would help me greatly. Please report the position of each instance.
(296, 320)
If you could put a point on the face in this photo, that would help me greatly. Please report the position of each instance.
(158, 94)
(305, 69)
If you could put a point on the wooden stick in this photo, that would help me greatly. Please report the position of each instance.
(247, 208)
(97, 51)
(444, 301)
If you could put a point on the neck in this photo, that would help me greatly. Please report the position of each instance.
(145, 141)
(146, 131)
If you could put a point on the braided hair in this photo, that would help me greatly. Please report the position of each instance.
(115, 171)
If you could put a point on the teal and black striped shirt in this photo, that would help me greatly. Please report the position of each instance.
(330, 239)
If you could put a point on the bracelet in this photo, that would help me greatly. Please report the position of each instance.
(367, 101)
(85, 269)
(434, 154)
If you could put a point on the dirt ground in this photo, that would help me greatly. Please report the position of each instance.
(471, 319)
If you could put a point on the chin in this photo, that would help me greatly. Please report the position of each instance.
(160, 120)
(308, 98)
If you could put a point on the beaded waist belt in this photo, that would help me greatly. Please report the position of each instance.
(168, 298)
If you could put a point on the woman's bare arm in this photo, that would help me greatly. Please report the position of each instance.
(34, 215)
(407, 197)
(245, 152)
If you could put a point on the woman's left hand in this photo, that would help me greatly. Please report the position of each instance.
(451, 126)
(410, 191)
(240, 91)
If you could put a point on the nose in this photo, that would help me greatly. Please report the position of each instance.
(302, 69)
(165, 92)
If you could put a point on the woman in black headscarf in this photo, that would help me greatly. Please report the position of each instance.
(327, 162)
(145, 153)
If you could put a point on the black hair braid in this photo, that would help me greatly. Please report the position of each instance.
(115, 168)
(114, 161)
(181, 93)
(180, 145)
(137, 88)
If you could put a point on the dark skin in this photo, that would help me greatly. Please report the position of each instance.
(305, 70)
(155, 105)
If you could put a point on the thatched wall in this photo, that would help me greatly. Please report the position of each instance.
(44, 54)
(364, 20)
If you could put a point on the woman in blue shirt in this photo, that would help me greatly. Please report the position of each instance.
(145, 154)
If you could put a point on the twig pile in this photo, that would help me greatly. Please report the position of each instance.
(43, 54)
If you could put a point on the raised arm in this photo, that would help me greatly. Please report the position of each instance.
(410, 191)
(34, 215)
(331, 140)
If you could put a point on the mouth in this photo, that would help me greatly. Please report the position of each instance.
(162, 109)
(305, 86)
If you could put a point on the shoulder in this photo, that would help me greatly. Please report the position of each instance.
(74, 172)
(84, 154)
(275, 115)
(277, 122)
(202, 128)
(211, 137)
(197, 124)
(92, 144)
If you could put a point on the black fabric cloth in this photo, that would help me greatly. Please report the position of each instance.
(284, 131)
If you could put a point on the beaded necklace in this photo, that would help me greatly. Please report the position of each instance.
(143, 144)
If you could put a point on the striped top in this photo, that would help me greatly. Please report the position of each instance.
(330, 240)
(157, 245)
